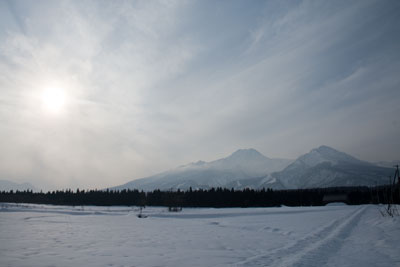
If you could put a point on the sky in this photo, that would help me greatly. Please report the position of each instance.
(97, 93)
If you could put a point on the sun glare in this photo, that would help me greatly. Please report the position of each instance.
(53, 100)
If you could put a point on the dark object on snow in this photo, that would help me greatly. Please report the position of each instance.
(141, 215)
(174, 209)
(335, 197)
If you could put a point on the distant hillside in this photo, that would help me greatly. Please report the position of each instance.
(388, 164)
(232, 171)
(248, 168)
(327, 167)
(6, 185)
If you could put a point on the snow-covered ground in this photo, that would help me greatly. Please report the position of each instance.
(44, 235)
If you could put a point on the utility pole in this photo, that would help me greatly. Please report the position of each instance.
(398, 175)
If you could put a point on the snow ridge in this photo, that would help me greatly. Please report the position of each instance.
(314, 249)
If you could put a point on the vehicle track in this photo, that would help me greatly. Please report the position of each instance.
(314, 249)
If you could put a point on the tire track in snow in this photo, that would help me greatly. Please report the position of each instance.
(313, 250)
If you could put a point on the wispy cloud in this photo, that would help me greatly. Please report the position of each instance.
(153, 85)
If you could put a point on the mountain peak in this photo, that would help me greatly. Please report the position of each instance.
(246, 153)
(244, 167)
(326, 150)
(327, 167)
(324, 147)
(326, 154)
(330, 152)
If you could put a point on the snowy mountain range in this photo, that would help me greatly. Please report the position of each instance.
(248, 168)
(244, 164)
(326, 167)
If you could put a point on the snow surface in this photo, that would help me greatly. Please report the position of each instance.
(44, 235)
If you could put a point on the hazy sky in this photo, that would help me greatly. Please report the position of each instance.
(97, 93)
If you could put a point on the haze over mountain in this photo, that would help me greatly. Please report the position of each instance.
(6, 185)
(247, 168)
(388, 164)
(326, 167)
(244, 164)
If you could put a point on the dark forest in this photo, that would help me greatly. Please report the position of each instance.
(214, 197)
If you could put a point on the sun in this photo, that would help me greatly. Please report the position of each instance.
(53, 100)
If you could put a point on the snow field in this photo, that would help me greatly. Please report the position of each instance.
(44, 235)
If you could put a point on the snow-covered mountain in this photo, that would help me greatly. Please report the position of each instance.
(235, 171)
(257, 183)
(388, 164)
(251, 162)
(326, 167)
(247, 168)
(6, 185)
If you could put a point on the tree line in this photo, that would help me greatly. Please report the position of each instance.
(214, 197)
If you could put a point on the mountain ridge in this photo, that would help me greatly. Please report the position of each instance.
(240, 165)
(323, 166)
(326, 167)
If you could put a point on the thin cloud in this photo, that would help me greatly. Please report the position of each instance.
(154, 85)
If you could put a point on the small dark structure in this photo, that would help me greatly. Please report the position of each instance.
(335, 197)
(141, 215)
(174, 209)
